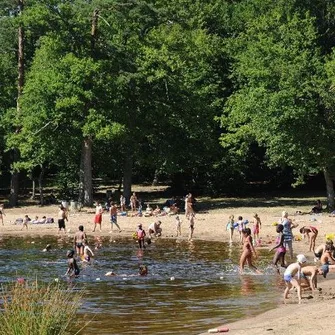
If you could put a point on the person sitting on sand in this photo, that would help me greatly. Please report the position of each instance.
(281, 250)
(309, 275)
(312, 233)
(73, 269)
(321, 249)
(290, 281)
(317, 209)
(148, 211)
(248, 250)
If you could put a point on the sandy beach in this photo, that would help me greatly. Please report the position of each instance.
(311, 317)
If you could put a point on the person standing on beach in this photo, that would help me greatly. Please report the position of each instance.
(133, 202)
(287, 231)
(98, 216)
(25, 222)
(281, 250)
(113, 217)
(290, 281)
(230, 227)
(191, 219)
(256, 228)
(122, 203)
(62, 216)
(189, 205)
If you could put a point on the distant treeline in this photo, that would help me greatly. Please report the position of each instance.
(216, 96)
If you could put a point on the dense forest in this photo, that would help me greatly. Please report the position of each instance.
(207, 95)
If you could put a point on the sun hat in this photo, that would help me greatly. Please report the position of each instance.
(301, 258)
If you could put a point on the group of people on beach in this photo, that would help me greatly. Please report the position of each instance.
(297, 274)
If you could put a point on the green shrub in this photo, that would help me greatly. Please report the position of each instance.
(38, 309)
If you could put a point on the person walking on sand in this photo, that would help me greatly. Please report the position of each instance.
(98, 216)
(290, 281)
(281, 250)
(256, 228)
(62, 217)
(25, 222)
(2, 213)
(230, 227)
(122, 203)
(80, 239)
(248, 249)
(113, 217)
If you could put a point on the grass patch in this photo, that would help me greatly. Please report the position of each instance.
(38, 309)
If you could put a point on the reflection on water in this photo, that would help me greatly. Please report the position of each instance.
(206, 291)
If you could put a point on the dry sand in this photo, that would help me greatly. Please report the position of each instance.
(313, 316)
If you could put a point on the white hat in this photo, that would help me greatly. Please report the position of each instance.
(301, 259)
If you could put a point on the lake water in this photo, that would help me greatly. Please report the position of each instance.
(207, 290)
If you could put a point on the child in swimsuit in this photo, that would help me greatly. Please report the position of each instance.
(312, 233)
(88, 253)
(73, 269)
(230, 226)
(281, 250)
(290, 281)
(256, 227)
(321, 249)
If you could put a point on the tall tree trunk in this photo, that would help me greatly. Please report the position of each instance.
(33, 193)
(40, 185)
(85, 176)
(127, 176)
(330, 190)
(14, 185)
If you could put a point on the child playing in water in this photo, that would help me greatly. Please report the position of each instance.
(73, 269)
(178, 226)
(312, 233)
(290, 281)
(230, 227)
(88, 253)
(191, 219)
(281, 250)
(248, 249)
(140, 236)
(256, 228)
(80, 240)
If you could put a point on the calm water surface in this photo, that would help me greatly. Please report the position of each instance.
(206, 292)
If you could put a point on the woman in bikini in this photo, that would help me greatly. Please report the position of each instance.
(248, 249)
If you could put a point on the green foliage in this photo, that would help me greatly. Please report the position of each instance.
(38, 309)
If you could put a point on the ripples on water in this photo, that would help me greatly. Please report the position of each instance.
(206, 292)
